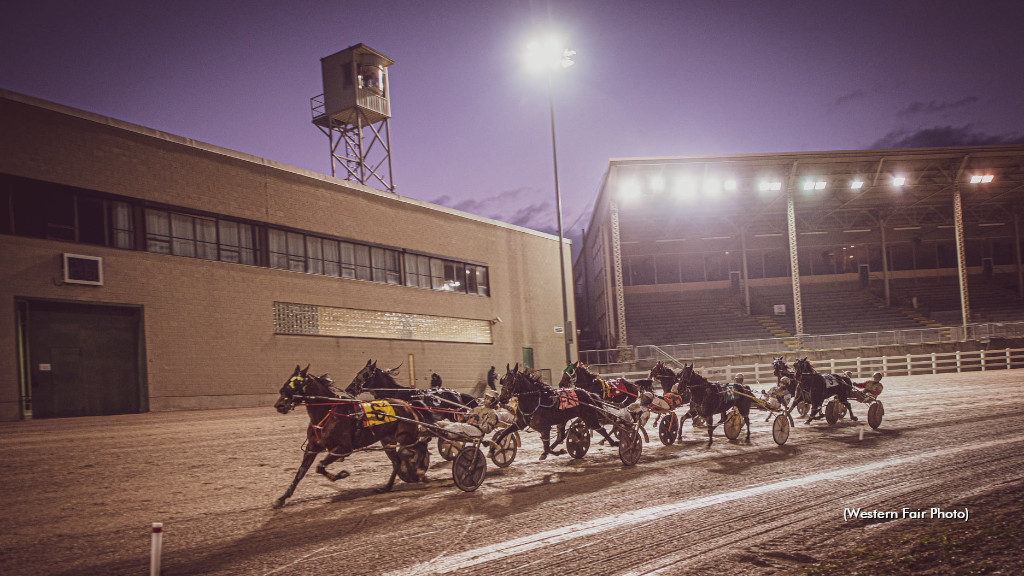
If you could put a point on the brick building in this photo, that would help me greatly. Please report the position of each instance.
(146, 271)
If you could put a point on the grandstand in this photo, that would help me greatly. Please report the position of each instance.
(687, 250)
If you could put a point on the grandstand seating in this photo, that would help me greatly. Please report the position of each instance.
(940, 299)
(682, 317)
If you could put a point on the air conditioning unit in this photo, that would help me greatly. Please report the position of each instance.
(79, 269)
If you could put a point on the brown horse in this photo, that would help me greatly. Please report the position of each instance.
(619, 391)
(822, 387)
(341, 426)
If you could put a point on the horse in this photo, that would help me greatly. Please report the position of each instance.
(710, 398)
(436, 403)
(540, 407)
(620, 392)
(666, 377)
(341, 426)
(822, 387)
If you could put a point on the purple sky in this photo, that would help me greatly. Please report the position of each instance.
(470, 128)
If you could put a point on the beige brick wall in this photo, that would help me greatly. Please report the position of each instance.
(209, 325)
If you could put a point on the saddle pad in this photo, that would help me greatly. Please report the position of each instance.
(567, 399)
(831, 380)
(372, 410)
(614, 388)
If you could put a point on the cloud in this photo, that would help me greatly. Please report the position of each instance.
(941, 136)
(524, 207)
(934, 107)
(858, 94)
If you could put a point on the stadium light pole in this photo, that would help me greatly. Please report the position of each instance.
(550, 56)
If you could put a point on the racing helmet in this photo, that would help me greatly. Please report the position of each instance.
(738, 378)
(877, 376)
(785, 381)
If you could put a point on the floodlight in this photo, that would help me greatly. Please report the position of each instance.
(768, 185)
(657, 183)
(808, 184)
(549, 54)
(730, 185)
(712, 186)
(981, 179)
(629, 190)
(819, 185)
(986, 178)
(857, 184)
(899, 181)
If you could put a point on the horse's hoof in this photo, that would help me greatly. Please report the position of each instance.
(543, 456)
(852, 417)
(383, 490)
(559, 453)
(278, 503)
(613, 444)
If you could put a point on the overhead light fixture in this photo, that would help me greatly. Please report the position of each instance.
(856, 230)
(819, 185)
(907, 228)
(857, 184)
(629, 190)
(657, 183)
(813, 233)
(771, 235)
(730, 185)
(982, 179)
(987, 224)
(717, 238)
(899, 181)
(769, 186)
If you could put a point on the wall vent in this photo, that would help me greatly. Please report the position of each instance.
(80, 269)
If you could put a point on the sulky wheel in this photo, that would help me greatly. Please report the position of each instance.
(631, 446)
(833, 411)
(504, 452)
(469, 468)
(875, 413)
(447, 449)
(668, 429)
(802, 408)
(780, 429)
(733, 424)
(577, 439)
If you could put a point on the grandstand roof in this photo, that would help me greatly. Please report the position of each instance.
(663, 196)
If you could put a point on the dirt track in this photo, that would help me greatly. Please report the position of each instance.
(80, 494)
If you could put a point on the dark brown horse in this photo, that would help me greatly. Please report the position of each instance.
(710, 398)
(434, 404)
(822, 387)
(341, 426)
(540, 407)
(620, 392)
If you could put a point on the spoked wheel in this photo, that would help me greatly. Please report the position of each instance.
(834, 411)
(875, 413)
(577, 439)
(631, 446)
(469, 468)
(733, 424)
(780, 429)
(668, 429)
(504, 452)
(447, 449)
(802, 408)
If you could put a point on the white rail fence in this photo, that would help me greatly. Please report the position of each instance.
(903, 365)
(798, 344)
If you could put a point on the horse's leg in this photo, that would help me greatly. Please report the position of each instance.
(393, 456)
(307, 461)
(846, 402)
(545, 438)
(321, 468)
(560, 428)
(746, 419)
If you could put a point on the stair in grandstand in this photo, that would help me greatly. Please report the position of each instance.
(778, 331)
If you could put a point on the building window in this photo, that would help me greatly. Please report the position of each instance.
(121, 225)
(236, 242)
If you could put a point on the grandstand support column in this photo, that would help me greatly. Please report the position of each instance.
(1016, 250)
(885, 261)
(794, 262)
(620, 300)
(961, 253)
(746, 278)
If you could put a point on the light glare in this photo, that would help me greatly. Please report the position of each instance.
(857, 184)
(899, 181)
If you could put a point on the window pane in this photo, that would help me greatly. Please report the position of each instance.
(158, 231)
(392, 267)
(437, 274)
(121, 215)
(471, 287)
(482, 282)
(60, 215)
(314, 255)
(278, 249)
(246, 244)
(423, 266)
(363, 262)
(348, 260)
(182, 236)
(296, 252)
(377, 255)
(206, 238)
(331, 255)
(91, 221)
(411, 278)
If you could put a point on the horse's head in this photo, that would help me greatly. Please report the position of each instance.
(780, 367)
(571, 373)
(507, 382)
(293, 390)
(364, 378)
(802, 366)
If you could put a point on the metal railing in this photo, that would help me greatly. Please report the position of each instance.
(897, 365)
(729, 348)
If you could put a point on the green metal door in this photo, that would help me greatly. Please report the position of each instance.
(83, 359)
(528, 357)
